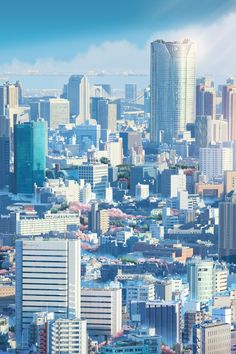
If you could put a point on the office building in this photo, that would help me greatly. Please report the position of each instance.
(34, 110)
(212, 337)
(229, 181)
(200, 278)
(107, 115)
(30, 155)
(4, 151)
(69, 336)
(163, 290)
(55, 111)
(102, 308)
(47, 280)
(173, 89)
(214, 160)
(138, 291)
(205, 100)
(96, 175)
(98, 219)
(88, 135)
(192, 318)
(141, 191)
(163, 316)
(131, 139)
(130, 92)
(9, 98)
(50, 222)
(177, 183)
(227, 229)
(229, 109)
(78, 96)
(115, 150)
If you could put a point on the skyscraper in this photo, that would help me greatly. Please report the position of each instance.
(29, 156)
(205, 100)
(56, 111)
(229, 109)
(78, 95)
(4, 151)
(130, 91)
(47, 279)
(227, 228)
(172, 88)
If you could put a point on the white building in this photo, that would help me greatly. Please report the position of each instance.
(200, 278)
(102, 308)
(96, 175)
(85, 192)
(51, 222)
(47, 280)
(69, 336)
(78, 94)
(141, 191)
(177, 184)
(139, 292)
(214, 160)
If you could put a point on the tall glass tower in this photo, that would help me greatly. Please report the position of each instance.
(173, 83)
(29, 155)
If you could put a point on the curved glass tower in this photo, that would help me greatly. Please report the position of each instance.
(173, 82)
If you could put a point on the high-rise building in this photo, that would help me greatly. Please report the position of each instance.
(214, 160)
(102, 308)
(98, 219)
(96, 175)
(78, 95)
(205, 101)
(164, 316)
(229, 109)
(47, 279)
(192, 318)
(4, 151)
(141, 191)
(212, 337)
(107, 116)
(130, 139)
(30, 155)
(69, 336)
(34, 110)
(55, 111)
(227, 229)
(130, 91)
(200, 278)
(172, 89)
(88, 134)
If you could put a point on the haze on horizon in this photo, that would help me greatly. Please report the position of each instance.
(79, 36)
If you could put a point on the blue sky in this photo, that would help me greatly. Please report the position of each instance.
(113, 35)
(59, 28)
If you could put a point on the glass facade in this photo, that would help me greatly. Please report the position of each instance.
(30, 155)
(172, 88)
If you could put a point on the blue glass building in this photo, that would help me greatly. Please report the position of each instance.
(29, 155)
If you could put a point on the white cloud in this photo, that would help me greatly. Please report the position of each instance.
(215, 42)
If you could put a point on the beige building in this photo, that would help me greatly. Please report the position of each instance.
(229, 181)
(212, 338)
(102, 308)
